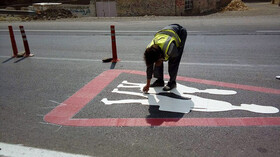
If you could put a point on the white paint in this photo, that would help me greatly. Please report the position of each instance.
(47, 3)
(196, 103)
(49, 124)
(55, 102)
(13, 150)
(268, 31)
(141, 62)
(91, 31)
(190, 90)
(134, 31)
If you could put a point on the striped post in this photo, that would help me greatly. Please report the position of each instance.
(25, 43)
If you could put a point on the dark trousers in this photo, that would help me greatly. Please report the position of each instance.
(173, 63)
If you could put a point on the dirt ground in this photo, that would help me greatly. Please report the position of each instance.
(253, 9)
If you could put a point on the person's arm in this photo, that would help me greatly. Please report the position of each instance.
(149, 73)
(147, 87)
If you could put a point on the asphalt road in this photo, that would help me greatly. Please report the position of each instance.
(238, 50)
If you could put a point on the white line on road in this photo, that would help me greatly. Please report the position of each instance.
(126, 31)
(45, 123)
(91, 31)
(268, 31)
(55, 102)
(142, 62)
(16, 150)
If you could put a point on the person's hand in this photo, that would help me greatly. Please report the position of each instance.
(146, 88)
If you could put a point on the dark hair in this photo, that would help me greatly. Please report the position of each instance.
(152, 54)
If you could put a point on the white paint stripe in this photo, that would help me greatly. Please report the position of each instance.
(55, 102)
(68, 59)
(92, 31)
(121, 31)
(268, 31)
(142, 62)
(49, 124)
(84, 31)
(12, 150)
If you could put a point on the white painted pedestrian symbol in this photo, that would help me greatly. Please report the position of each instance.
(183, 99)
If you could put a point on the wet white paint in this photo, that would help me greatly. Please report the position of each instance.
(195, 103)
(17, 150)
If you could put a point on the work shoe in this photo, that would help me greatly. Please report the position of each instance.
(158, 83)
(169, 86)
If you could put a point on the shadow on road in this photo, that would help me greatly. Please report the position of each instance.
(20, 59)
(7, 60)
(157, 117)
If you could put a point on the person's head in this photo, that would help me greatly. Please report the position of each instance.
(153, 55)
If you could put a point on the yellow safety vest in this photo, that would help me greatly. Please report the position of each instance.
(164, 38)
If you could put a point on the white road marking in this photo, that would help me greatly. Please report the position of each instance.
(268, 31)
(58, 129)
(16, 150)
(83, 31)
(142, 62)
(91, 31)
(175, 104)
(133, 31)
(55, 102)
(45, 123)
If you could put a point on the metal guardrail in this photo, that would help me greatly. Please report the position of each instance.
(17, 12)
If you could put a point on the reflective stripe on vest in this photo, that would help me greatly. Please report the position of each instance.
(172, 34)
(166, 46)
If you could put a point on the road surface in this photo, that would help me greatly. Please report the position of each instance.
(240, 54)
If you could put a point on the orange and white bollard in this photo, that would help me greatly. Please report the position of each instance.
(25, 43)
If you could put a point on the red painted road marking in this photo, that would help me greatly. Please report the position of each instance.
(62, 114)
